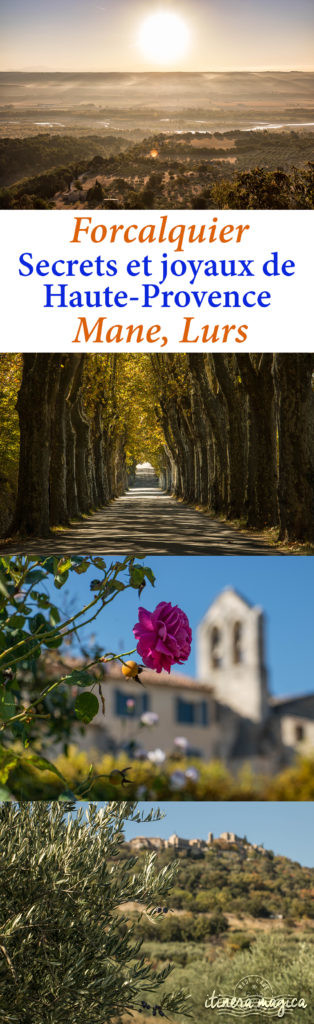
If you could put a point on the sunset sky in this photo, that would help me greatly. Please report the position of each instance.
(102, 35)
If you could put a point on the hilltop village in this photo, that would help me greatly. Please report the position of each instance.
(195, 847)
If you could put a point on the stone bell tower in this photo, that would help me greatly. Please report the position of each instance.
(230, 651)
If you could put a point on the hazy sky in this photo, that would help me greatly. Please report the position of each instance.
(282, 586)
(102, 35)
(286, 828)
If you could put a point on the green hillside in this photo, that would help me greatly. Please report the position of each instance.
(233, 913)
(238, 881)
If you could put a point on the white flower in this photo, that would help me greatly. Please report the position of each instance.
(149, 718)
(177, 780)
(192, 774)
(181, 743)
(156, 756)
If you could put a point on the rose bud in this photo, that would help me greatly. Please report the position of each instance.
(131, 670)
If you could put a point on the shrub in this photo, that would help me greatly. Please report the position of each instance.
(149, 782)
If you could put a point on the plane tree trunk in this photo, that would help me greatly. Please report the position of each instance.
(256, 374)
(295, 420)
(35, 406)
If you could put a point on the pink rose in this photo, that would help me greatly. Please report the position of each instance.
(164, 636)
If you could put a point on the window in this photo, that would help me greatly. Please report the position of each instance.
(237, 644)
(191, 712)
(141, 704)
(215, 647)
(299, 733)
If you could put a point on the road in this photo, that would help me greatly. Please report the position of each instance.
(145, 520)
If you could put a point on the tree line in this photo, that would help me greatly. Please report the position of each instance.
(71, 456)
(230, 433)
(239, 436)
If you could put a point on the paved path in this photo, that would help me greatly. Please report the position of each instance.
(145, 520)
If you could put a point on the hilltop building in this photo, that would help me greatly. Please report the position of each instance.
(193, 846)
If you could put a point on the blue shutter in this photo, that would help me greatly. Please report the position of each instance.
(184, 711)
(204, 712)
(191, 713)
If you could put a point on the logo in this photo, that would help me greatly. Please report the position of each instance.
(254, 995)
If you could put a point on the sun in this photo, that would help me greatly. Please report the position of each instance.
(163, 37)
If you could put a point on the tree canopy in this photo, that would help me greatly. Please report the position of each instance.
(230, 433)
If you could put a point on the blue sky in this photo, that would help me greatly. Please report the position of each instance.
(283, 587)
(101, 35)
(285, 828)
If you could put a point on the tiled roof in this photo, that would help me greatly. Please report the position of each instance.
(297, 698)
(113, 672)
(159, 679)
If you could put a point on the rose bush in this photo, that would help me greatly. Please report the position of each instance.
(40, 706)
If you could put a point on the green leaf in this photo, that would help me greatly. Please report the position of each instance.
(42, 764)
(63, 565)
(137, 575)
(37, 623)
(99, 563)
(54, 616)
(35, 576)
(79, 677)
(81, 568)
(3, 588)
(86, 707)
(4, 794)
(60, 580)
(42, 599)
(50, 565)
(56, 641)
(8, 760)
(20, 732)
(17, 621)
(7, 705)
(150, 576)
(114, 587)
